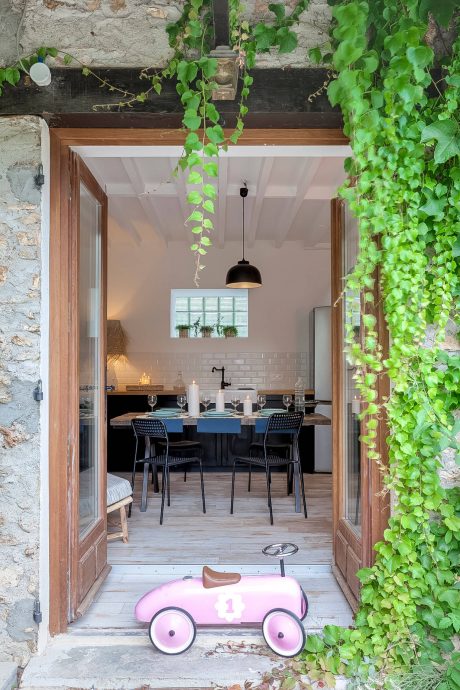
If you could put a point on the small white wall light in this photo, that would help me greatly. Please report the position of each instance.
(40, 74)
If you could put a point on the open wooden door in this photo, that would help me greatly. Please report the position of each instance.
(360, 510)
(88, 472)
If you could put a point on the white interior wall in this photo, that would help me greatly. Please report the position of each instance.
(141, 276)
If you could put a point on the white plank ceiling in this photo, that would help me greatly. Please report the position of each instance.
(289, 195)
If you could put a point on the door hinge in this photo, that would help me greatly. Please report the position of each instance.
(37, 614)
(38, 391)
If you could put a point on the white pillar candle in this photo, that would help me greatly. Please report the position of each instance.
(193, 399)
(220, 400)
(247, 406)
(355, 406)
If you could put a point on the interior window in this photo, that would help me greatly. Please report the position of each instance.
(216, 308)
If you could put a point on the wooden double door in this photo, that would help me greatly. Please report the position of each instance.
(360, 509)
(78, 238)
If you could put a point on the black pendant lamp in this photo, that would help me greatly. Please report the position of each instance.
(243, 275)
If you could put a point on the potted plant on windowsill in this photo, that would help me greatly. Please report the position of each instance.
(206, 331)
(183, 329)
(230, 331)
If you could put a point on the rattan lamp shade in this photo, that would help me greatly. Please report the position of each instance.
(116, 340)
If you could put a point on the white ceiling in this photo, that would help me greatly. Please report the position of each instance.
(289, 193)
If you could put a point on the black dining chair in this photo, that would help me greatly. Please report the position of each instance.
(155, 430)
(290, 424)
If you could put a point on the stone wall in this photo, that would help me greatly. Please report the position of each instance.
(130, 33)
(20, 266)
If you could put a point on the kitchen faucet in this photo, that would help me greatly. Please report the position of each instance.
(223, 383)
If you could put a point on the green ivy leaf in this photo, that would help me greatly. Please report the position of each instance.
(195, 216)
(194, 198)
(191, 120)
(314, 644)
(286, 40)
(211, 150)
(215, 134)
(420, 56)
(206, 241)
(278, 10)
(264, 37)
(210, 191)
(347, 53)
(187, 71)
(446, 133)
(68, 59)
(208, 205)
(314, 54)
(211, 169)
(194, 178)
(210, 68)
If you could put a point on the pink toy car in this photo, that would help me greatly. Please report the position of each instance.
(278, 603)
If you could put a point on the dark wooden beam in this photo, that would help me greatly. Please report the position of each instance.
(279, 98)
(221, 22)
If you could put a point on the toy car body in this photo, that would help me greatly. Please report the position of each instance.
(174, 609)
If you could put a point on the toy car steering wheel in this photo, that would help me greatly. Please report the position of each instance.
(280, 551)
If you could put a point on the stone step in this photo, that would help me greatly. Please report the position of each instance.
(129, 662)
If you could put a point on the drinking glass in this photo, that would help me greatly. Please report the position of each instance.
(235, 402)
(261, 401)
(287, 401)
(206, 400)
(152, 401)
(181, 401)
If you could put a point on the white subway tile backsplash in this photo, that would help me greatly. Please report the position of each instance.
(258, 369)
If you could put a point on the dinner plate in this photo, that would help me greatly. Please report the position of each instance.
(269, 411)
(165, 413)
(217, 413)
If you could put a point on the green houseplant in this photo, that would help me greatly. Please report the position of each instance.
(183, 329)
(230, 331)
(206, 331)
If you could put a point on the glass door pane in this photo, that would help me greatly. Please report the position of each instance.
(89, 370)
(351, 426)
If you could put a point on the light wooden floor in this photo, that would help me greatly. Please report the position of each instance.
(189, 537)
(188, 540)
(113, 608)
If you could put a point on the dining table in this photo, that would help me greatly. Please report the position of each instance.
(228, 425)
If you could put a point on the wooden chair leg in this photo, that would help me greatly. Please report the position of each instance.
(124, 524)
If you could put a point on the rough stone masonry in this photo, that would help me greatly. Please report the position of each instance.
(20, 267)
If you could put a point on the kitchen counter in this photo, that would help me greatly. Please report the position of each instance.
(177, 391)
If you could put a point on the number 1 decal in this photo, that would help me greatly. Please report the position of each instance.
(229, 608)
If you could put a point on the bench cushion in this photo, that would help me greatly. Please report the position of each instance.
(117, 489)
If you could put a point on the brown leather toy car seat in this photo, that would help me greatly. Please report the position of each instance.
(211, 578)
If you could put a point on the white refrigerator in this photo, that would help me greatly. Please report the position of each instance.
(322, 383)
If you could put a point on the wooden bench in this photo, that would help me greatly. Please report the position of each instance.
(119, 495)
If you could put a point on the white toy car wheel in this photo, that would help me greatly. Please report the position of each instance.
(172, 630)
(283, 632)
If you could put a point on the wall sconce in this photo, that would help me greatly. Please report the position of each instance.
(227, 73)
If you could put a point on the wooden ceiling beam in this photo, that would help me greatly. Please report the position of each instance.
(222, 196)
(278, 99)
(261, 190)
(135, 178)
(181, 189)
(307, 174)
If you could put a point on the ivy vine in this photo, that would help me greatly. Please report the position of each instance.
(404, 131)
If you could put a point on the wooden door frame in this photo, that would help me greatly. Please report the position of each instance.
(375, 501)
(62, 364)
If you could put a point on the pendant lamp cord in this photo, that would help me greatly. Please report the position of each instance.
(243, 228)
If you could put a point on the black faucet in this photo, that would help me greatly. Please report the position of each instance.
(223, 383)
